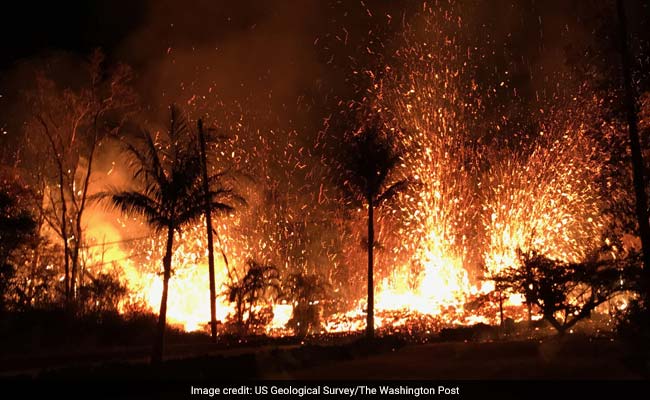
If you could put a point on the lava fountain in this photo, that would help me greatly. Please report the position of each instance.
(476, 199)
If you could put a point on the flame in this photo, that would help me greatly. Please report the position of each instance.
(476, 202)
(281, 315)
(546, 202)
(443, 283)
(189, 293)
(139, 264)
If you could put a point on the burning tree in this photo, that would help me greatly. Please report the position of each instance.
(170, 194)
(566, 293)
(307, 292)
(370, 160)
(68, 126)
(260, 282)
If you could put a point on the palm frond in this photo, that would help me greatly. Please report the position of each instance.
(193, 214)
(392, 191)
(192, 206)
(169, 175)
(180, 135)
(370, 158)
(227, 195)
(178, 125)
(136, 203)
(145, 160)
(152, 160)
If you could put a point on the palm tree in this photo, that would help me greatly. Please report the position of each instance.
(372, 157)
(170, 194)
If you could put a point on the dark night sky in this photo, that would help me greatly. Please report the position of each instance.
(30, 27)
(138, 30)
(249, 47)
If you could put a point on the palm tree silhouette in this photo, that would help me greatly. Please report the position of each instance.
(370, 159)
(170, 194)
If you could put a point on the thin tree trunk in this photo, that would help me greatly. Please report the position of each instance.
(501, 310)
(635, 146)
(240, 314)
(79, 216)
(64, 235)
(64, 211)
(74, 264)
(208, 223)
(66, 247)
(370, 322)
(223, 255)
(159, 341)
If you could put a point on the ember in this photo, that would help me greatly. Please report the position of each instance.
(483, 152)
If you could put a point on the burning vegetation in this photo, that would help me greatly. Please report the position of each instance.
(443, 186)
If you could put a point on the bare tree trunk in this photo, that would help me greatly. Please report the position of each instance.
(208, 222)
(36, 259)
(370, 322)
(73, 264)
(64, 210)
(64, 237)
(240, 315)
(635, 146)
(159, 341)
(225, 258)
(79, 216)
(501, 310)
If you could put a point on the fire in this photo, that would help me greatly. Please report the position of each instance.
(281, 316)
(443, 283)
(187, 305)
(476, 201)
(138, 263)
(139, 266)
(548, 201)
(420, 95)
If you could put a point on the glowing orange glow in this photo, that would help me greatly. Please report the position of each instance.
(472, 207)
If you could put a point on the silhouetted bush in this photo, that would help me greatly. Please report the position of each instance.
(51, 330)
(567, 293)
(307, 293)
(253, 296)
(101, 293)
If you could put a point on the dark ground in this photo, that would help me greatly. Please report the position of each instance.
(569, 358)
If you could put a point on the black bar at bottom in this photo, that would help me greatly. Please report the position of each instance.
(153, 389)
